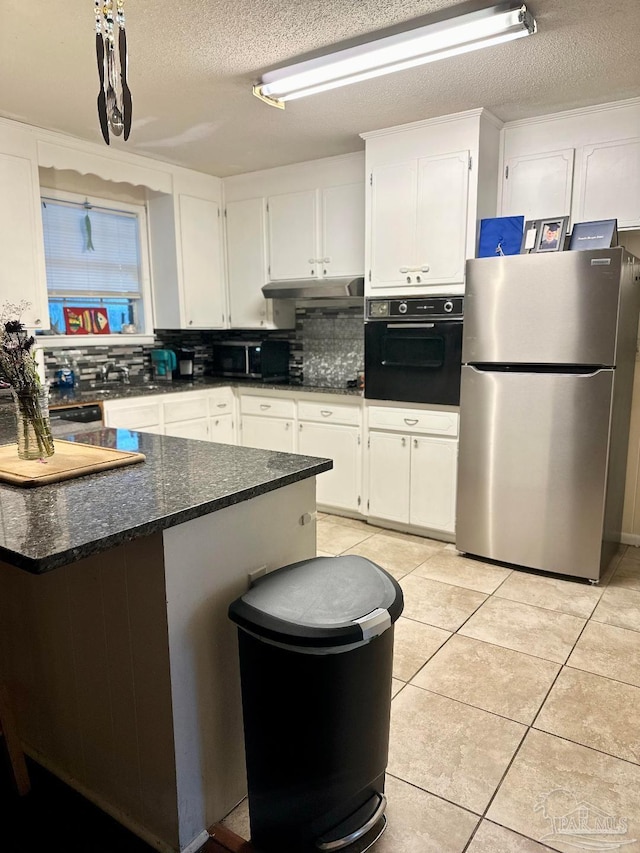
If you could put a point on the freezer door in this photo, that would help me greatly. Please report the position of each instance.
(554, 308)
(532, 468)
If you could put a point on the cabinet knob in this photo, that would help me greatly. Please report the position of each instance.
(38, 322)
(217, 422)
(408, 279)
(415, 442)
(191, 322)
(324, 272)
(299, 427)
(287, 425)
(313, 272)
(404, 441)
(418, 279)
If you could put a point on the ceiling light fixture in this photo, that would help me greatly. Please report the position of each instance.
(406, 49)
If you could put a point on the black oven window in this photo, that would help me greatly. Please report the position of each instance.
(406, 348)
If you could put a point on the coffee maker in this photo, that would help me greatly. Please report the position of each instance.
(185, 361)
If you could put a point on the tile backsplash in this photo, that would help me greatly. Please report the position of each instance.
(327, 349)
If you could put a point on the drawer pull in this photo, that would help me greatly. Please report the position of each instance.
(222, 405)
(411, 421)
(326, 413)
(264, 406)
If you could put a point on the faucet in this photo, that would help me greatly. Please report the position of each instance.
(110, 367)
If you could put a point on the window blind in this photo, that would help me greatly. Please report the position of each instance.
(98, 257)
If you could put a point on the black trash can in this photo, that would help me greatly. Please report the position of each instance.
(316, 649)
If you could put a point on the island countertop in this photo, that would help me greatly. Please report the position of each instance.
(46, 527)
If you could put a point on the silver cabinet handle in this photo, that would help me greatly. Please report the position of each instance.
(411, 421)
(408, 279)
(424, 268)
(326, 413)
(299, 427)
(415, 442)
(222, 405)
(265, 406)
(418, 279)
(216, 422)
(404, 269)
(287, 425)
(404, 441)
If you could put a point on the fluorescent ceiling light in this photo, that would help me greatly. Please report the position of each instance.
(483, 28)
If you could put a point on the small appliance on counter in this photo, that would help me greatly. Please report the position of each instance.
(164, 363)
(185, 357)
(265, 360)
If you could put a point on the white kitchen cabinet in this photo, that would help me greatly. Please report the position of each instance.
(189, 290)
(246, 241)
(222, 429)
(267, 422)
(140, 414)
(610, 182)
(22, 267)
(316, 233)
(333, 430)
(197, 428)
(538, 186)
(222, 416)
(428, 185)
(583, 163)
(413, 457)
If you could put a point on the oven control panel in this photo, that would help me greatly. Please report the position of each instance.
(415, 307)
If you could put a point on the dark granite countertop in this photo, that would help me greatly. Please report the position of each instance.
(45, 527)
(95, 392)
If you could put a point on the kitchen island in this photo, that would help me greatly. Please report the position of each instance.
(114, 637)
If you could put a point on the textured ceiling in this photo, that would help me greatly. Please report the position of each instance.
(192, 63)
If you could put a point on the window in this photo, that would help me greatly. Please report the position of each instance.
(96, 263)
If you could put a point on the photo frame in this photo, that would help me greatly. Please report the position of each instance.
(551, 234)
(600, 234)
(501, 235)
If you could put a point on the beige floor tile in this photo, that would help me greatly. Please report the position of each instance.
(594, 711)
(496, 839)
(356, 524)
(490, 677)
(396, 686)
(552, 781)
(448, 748)
(627, 575)
(238, 820)
(320, 515)
(413, 644)
(421, 823)
(567, 596)
(632, 553)
(448, 567)
(324, 554)
(523, 628)
(336, 538)
(619, 606)
(435, 544)
(396, 555)
(608, 651)
(438, 604)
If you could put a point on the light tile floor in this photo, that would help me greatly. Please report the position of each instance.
(515, 721)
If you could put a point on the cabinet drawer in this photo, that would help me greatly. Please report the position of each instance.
(267, 406)
(185, 409)
(414, 420)
(134, 417)
(329, 413)
(221, 403)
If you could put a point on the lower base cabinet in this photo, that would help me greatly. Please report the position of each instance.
(268, 433)
(413, 462)
(222, 430)
(340, 487)
(197, 428)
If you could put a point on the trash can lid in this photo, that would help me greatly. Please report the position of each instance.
(322, 602)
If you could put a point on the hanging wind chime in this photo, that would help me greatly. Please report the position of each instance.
(114, 98)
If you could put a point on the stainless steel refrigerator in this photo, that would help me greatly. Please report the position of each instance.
(549, 343)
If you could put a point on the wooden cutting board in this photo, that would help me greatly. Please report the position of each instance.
(71, 459)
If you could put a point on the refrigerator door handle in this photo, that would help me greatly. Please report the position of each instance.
(552, 370)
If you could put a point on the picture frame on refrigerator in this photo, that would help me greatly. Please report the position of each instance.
(551, 234)
(600, 234)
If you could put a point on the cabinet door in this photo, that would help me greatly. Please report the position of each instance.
(22, 272)
(246, 225)
(268, 433)
(293, 230)
(389, 465)
(433, 482)
(136, 416)
(188, 429)
(610, 186)
(222, 430)
(339, 487)
(441, 236)
(343, 230)
(393, 223)
(538, 186)
(202, 280)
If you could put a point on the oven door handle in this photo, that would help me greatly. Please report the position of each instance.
(411, 325)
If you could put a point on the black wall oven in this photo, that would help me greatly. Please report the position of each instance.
(413, 349)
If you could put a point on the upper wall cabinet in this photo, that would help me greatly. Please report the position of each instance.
(538, 185)
(246, 228)
(22, 271)
(581, 163)
(428, 185)
(186, 256)
(316, 233)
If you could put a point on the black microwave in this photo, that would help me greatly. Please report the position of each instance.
(266, 360)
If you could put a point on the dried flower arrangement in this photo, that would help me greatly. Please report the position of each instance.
(19, 370)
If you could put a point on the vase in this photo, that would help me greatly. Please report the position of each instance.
(34, 428)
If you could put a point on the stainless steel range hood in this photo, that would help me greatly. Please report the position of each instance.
(328, 288)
